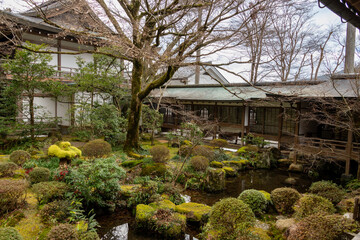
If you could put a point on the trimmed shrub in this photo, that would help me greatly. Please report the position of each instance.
(199, 163)
(39, 174)
(9, 233)
(205, 151)
(57, 211)
(220, 143)
(185, 150)
(64, 150)
(160, 154)
(310, 204)
(89, 236)
(284, 199)
(321, 227)
(229, 214)
(255, 199)
(328, 190)
(97, 148)
(19, 157)
(62, 232)
(49, 191)
(154, 169)
(11, 192)
(7, 169)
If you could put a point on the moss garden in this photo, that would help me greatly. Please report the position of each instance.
(64, 189)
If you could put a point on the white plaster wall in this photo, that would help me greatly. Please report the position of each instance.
(69, 61)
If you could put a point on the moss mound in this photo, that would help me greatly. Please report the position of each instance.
(64, 150)
(154, 169)
(310, 204)
(284, 199)
(194, 211)
(164, 204)
(97, 148)
(19, 157)
(328, 190)
(230, 172)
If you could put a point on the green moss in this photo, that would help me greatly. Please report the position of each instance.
(127, 190)
(64, 150)
(164, 204)
(194, 211)
(266, 195)
(215, 179)
(143, 213)
(310, 204)
(238, 165)
(157, 169)
(216, 164)
(260, 233)
(229, 171)
(131, 163)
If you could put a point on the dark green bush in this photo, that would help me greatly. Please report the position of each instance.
(9, 233)
(49, 191)
(160, 154)
(7, 169)
(328, 190)
(89, 236)
(220, 143)
(97, 182)
(228, 215)
(284, 199)
(185, 150)
(57, 211)
(321, 227)
(353, 185)
(199, 163)
(62, 232)
(97, 148)
(19, 157)
(11, 193)
(205, 151)
(310, 204)
(255, 199)
(39, 174)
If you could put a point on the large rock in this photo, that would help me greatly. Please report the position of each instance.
(164, 204)
(194, 211)
(230, 172)
(215, 180)
(290, 181)
(296, 168)
(284, 224)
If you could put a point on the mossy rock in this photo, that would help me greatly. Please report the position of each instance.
(127, 190)
(154, 169)
(216, 164)
(229, 171)
(64, 150)
(237, 165)
(168, 224)
(164, 204)
(215, 180)
(143, 214)
(194, 211)
(248, 148)
(266, 195)
(131, 163)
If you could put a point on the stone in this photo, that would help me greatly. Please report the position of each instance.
(236, 165)
(264, 161)
(164, 204)
(215, 180)
(284, 162)
(290, 181)
(348, 215)
(194, 211)
(292, 156)
(230, 172)
(296, 168)
(284, 224)
(143, 214)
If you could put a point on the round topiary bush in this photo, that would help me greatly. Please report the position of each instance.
(9, 233)
(228, 214)
(255, 199)
(57, 211)
(185, 150)
(97, 148)
(89, 236)
(328, 190)
(204, 151)
(160, 154)
(11, 194)
(62, 232)
(284, 199)
(310, 204)
(220, 143)
(321, 227)
(7, 169)
(199, 163)
(49, 191)
(39, 174)
(19, 157)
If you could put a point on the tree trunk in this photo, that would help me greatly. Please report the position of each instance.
(32, 117)
(132, 136)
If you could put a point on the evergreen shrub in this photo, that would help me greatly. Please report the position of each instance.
(199, 163)
(284, 199)
(160, 154)
(329, 190)
(97, 148)
(19, 157)
(39, 174)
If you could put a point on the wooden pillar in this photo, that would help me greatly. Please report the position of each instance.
(263, 124)
(350, 48)
(348, 151)
(297, 123)
(216, 120)
(59, 56)
(243, 124)
(280, 125)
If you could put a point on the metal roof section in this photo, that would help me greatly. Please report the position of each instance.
(349, 10)
(348, 88)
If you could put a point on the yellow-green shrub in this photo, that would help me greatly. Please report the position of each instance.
(160, 153)
(19, 157)
(11, 194)
(7, 169)
(49, 191)
(185, 150)
(205, 151)
(64, 150)
(97, 148)
(328, 190)
(9, 233)
(310, 204)
(62, 232)
(284, 199)
(55, 212)
(255, 199)
(39, 174)
(220, 143)
(199, 163)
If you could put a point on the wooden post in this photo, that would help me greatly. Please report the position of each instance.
(263, 124)
(297, 123)
(350, 48)
(216, 120)
(280, 126)
(59, 56)
(356, 214)
(243, 124)
(348, 151)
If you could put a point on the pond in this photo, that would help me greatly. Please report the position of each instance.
(121, 224)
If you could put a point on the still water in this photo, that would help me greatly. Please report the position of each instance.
(121, 224)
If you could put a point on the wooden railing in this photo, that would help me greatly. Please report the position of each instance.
(329, 148)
